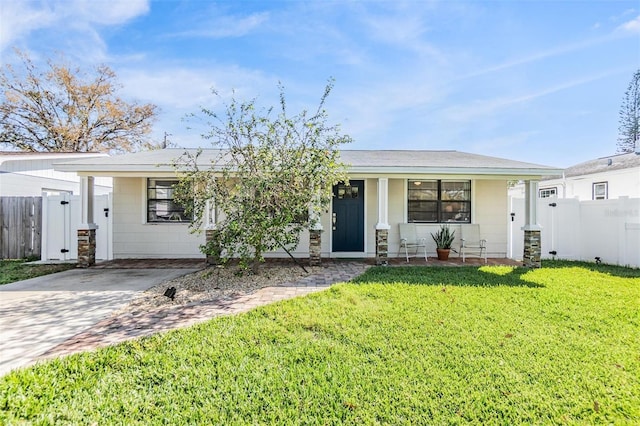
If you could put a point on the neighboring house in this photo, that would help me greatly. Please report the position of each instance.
(386, 188)
(600, 179)
(588, 212)
(31, 174)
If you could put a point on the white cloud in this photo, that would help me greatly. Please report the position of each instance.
(539, 56)
(110, 12)
(477, 109)
(405, 29)
(632, 26)
(183, 88)
(20, 18)
(17, 19)
(227, 26)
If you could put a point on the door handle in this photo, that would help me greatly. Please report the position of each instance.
(333, 220)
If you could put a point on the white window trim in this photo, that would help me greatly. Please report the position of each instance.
(145, 204)
(551, 188)
(472, 203)
(606, 190)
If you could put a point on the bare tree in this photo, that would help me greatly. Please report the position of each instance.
(64, 109)
(629, 129)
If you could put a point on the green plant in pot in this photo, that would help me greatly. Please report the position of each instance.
(443, 239)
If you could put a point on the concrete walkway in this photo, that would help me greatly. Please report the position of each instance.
(120, 328)
(41, 313)
(70, 311)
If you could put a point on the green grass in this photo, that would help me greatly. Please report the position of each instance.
(411, 345)
(16, 270)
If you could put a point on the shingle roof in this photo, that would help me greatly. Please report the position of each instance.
(426, 158)
(360, 161)
(599, 165)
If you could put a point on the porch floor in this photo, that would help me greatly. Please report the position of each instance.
(195, 263)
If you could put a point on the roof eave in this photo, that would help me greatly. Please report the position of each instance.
(166, 168)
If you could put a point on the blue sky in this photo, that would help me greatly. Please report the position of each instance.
(538, 81)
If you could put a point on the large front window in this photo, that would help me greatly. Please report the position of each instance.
(161, 206)
(438, 201)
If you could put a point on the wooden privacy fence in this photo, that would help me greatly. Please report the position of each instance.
(20, 227)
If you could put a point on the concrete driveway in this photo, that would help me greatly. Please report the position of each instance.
(40, 313)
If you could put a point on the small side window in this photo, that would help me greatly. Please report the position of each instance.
(600, 191)
(548, 192)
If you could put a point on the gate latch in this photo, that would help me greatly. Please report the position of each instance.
(64, 251)
(64, 202)
(106, 212)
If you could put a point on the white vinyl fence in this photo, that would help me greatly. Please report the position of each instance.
(582, 230)
(60, 220)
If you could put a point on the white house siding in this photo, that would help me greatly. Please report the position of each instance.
(489, 210)
(133, 238)
(622, 182)
(25, 176)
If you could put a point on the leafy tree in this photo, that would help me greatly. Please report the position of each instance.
(63, 109)
(271, 177)
(629, 128)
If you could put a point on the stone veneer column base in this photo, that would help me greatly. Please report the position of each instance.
(86, 247)
(532, 249)
(382, 247)
(315, 243)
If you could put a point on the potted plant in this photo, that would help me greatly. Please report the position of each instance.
(443, 239)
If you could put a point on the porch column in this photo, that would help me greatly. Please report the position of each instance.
(531, 228)
(87, 227)
(382, 227)
(210, 232)
(315, 236)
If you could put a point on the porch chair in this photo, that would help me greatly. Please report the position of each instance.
(409, 240)
(471, 243)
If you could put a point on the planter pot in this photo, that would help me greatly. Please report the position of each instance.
(443, 254)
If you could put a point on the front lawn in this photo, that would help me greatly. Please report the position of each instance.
(17, 270)
(410, 345)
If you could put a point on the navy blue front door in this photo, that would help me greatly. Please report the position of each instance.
(348, 216)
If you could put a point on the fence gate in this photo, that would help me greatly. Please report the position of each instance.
(582, 230)
(60, 220)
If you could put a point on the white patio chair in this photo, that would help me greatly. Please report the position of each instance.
(409, 240)
(471, 243)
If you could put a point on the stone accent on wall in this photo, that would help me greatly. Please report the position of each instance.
(315, 243)
(382, 247)
(532, 249)
(86, 247)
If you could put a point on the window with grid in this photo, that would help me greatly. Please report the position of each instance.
(437, 201)
(161, 206)
(548, 192)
